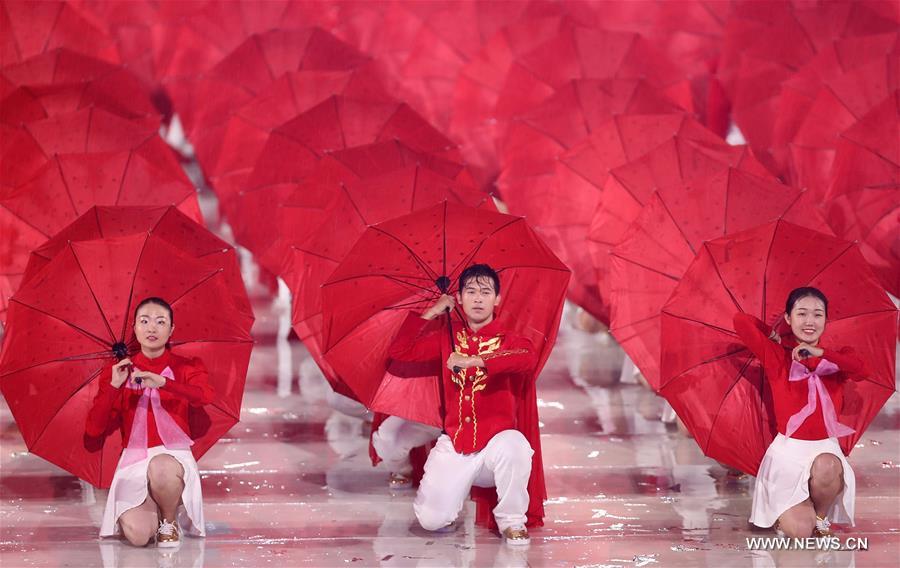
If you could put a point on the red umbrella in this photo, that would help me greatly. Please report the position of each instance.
(333, 215)
(654, 252)
(716, 385)
(367, 296)
(294, 149)
(673, 164)
(765, 43)
(862, 201)
(253, 65)
(31, 28)
(69, 317)
(63, 81)
(531, 161)
(842, 83)
(114, 161)
(267, 80)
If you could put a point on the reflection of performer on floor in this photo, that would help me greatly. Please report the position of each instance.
(155, 492)
(804, 480)
(481, 445)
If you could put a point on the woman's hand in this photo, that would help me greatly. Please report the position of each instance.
(813, 352)
(120, 372)
(150, 380)
(775, 337)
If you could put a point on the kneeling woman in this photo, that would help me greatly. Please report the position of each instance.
(155, 492)
(804, 480)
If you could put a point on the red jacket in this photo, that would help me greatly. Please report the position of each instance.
(480, 402)
(114, 408)
(790, 397)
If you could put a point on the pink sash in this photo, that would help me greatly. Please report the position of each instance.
(171, 434)
(814, 380)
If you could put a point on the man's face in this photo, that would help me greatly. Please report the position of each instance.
(478, 299)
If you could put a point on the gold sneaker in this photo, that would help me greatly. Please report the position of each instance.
(823, 526)
(399, 481)
(516, 535)
(168, 534)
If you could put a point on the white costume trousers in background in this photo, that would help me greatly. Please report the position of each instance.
(394, 439)
(505, 463)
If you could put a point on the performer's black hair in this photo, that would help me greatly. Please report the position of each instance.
(158, 302)
(479, 271)
(804, 292)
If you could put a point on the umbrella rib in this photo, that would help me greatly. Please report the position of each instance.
(352, 201)
(486, 237)
(883, 311)
(314, 253)
(81, 386)
(97, 220)
(415, 186)
(62, 177)
(50, 35)
(645, 267)
(124, 174)
(445, 240)
(409, 304)
(832, 261)
(373, 274)
(678, 225)
(93, 295)
(418, 260)
(83, 357)
(734, 383)
(131, 291)
(203, 281)
(722, 280)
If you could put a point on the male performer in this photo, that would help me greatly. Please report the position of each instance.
(483, 379)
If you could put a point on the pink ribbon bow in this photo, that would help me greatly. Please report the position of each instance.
(814, 380)
(171, 434)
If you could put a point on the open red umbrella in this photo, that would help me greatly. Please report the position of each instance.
(96, 159)
(31, 28)
(689, 155)
(334, 215)
(62, 80)
(716, 385)
(765, 43)
(367, 296)
(294, 149)
(73, 313)
(267, 80)
(862, 201)
(654, 252)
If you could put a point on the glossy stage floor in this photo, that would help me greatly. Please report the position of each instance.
(292, 484)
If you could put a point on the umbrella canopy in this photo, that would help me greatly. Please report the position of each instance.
(765, 43)
(862, 201)
(72, 312)
(655, 251)
(62, 80)
(31, 28)
(96, 158)
(333, 215)
(366, 298)
(711, 379)
(679, 160)
(294, 150)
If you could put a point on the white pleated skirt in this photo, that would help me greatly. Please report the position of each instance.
(129, 489)
(783, 480)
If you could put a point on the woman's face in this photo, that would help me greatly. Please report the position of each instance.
(153, 326)
(807, 319)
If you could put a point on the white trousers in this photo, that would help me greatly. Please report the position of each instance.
(505, 463)
(394, 439)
